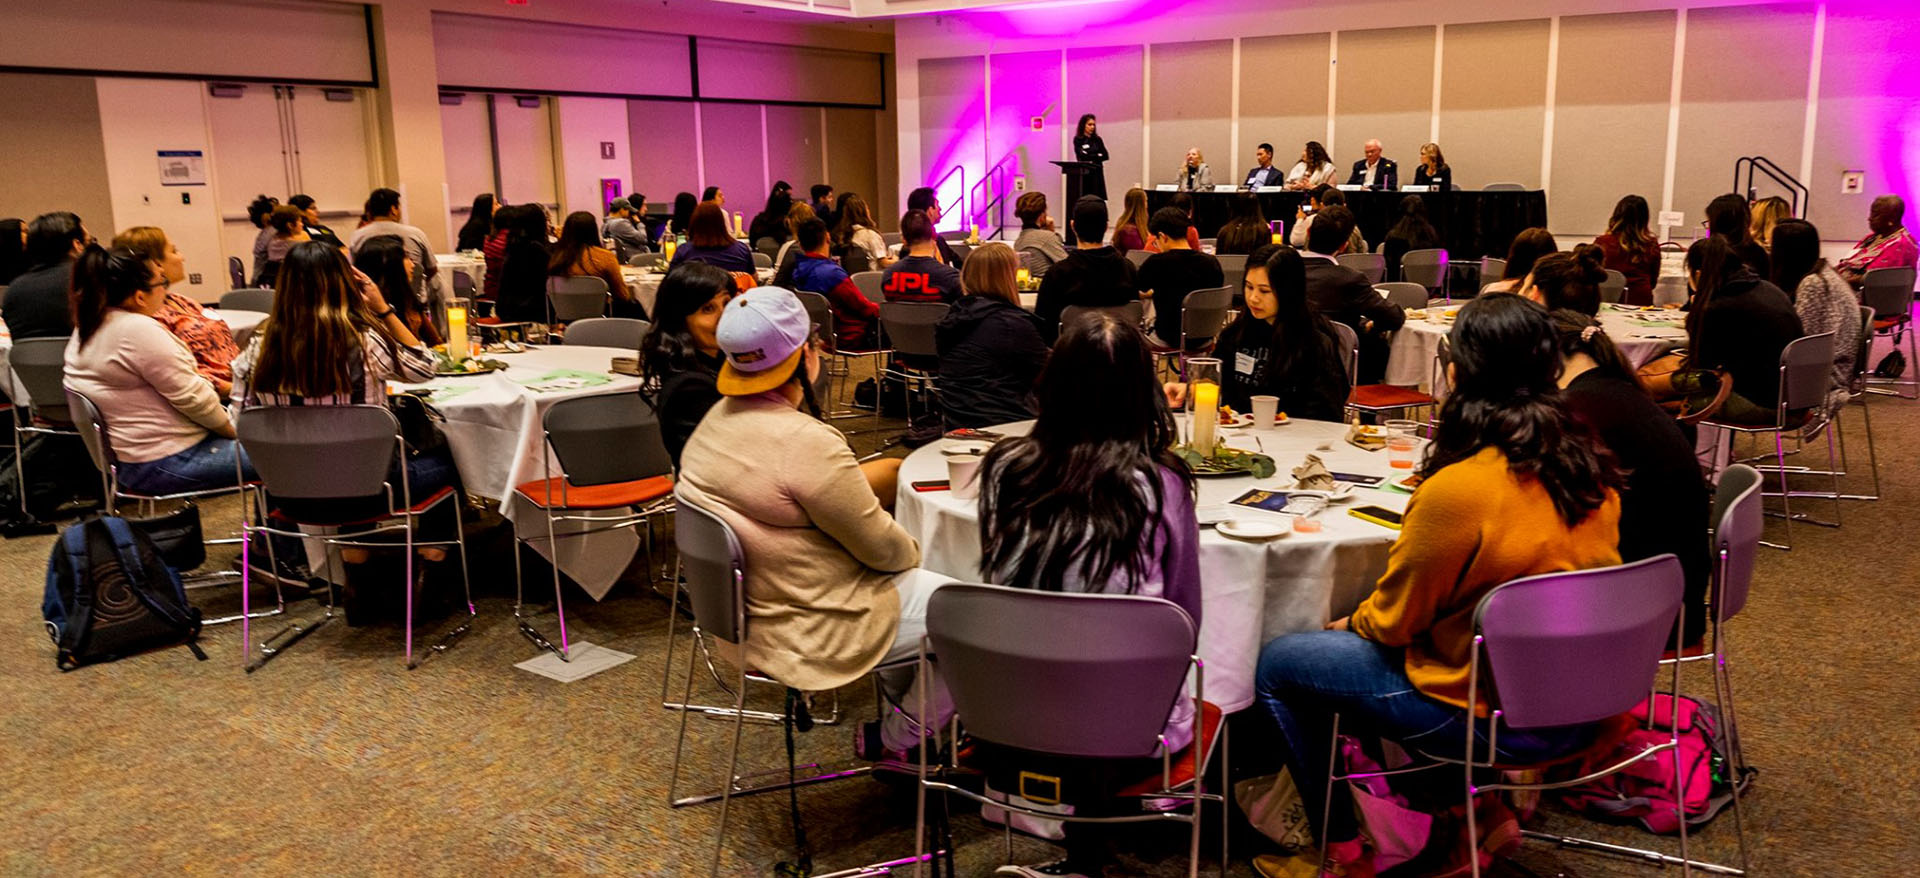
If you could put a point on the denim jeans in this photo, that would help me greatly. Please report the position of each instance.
(1304, 679)
(207, 465)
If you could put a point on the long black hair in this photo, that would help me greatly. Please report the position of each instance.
(669, 346)
(1572, 279)
(1796, 254)
(1414, 225)
(383, 259)
(579, 234)
(1505, 360)
(13, 249)
(683, 205)
(1582, 334)
(1081, 494)
(1080, 128)
(1303, 338)
(479, 223)
(104, 279)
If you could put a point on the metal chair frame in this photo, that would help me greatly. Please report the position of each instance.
(1856, 393)
(23, 414)
(1372, 265)
(622, 332)
(1898, 298)
(1404, 293)
(1818, 420)
(247, 299)
(909, 376)
(567, 297)
(1416, 268)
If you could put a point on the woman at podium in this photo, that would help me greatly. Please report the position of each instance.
(1087, 147)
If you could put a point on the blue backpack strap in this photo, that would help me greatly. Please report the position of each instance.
(123, 545)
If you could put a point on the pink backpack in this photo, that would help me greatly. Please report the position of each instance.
(1648, 791)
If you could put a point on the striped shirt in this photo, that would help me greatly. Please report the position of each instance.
(384, 360)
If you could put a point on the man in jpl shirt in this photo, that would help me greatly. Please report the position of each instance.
(919, 275)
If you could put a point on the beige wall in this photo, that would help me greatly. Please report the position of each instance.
(1493, 95)
(1283, 96)
(1384, 92)
(1190, 88)
(1611, 90)
(56, 163)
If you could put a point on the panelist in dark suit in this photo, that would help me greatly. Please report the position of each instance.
(1264, 173)
(1342, 294)
(1433, 170)
(1375, 172)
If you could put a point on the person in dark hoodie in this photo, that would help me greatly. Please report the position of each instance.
(991, 349)
(1094, 275)
(1737, 322)
(772, 222)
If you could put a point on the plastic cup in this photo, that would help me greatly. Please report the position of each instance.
(1403, 442)
(963, 476)
(1265, 409)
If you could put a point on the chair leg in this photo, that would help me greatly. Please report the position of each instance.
(673, 609)
(680, 743)
(407, 565)
(1723, 698)
(1873, 454)
(1786, 499)
(1326, 794)
(733, 766)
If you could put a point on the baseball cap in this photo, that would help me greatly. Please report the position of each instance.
(619, 204)
(763, 333)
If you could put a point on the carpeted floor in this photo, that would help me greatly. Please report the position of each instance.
(334, 760)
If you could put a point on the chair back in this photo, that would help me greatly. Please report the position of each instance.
(601, 440)
(320, 452)
(1562, 649)
(247, 299)
(1670, 291)
(642, 260)
(1806, 371)
(1738, 518)
(236, 272)
(891, 239)
(1133, 313)
(575, 298)
(93, 431)
(1233, 270)
(40, 365)
(607, 332)
(1491, 268)
(909, 326)
(869, 282)
(463, 284)
(1203, 313)
(961, 251)
(1088, 675)
(767, 245)
(715, 569)
(1406, 295)
(1505, 187)
(762, 260)
(1863, 350)
(1349, 349)
(1427, 268)
(1889, 291)
(819, 310)
(1138, 256)
(1614, 288)
(1373, 265)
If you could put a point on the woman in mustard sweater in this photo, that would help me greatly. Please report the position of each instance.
(1513, 487)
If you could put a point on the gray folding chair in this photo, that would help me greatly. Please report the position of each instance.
(463, 287)
(869, 283)
(1132, 312)
(1406, 295)
(1614, 288)
(1378, 399)
(607, 332)
(1203, 314)
(575, 298)
(820, 315)
(613, 473)
(643, 260)
(1373, 265)
(1889, 292)
(1349, 351)
(248, 299)
(1233, 271)
(1566, 649)
(1138, 257)
(1491, 269)
(236, 273)
(762, 260)
(892, 239)
(907, 330)
(1427, 268)
(1504, 187)
(318, 453)
(1209, 243)
(961, 250)
(36, 369)
(1106, 692)
(1806, 367)
(768, 246)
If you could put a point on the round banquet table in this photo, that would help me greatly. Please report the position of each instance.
(1251, 592)
(1641, 336)
(493, 429)
(645, 283)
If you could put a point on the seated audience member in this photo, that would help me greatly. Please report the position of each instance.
(1264, 173)
(991, 349)
(822, 202)
(856, 232)
(1512, 487)
(790, 251)
(709, 241)
(927, 201)
(1194, 175)
(1184, 203)
(289, 228)
(1665, 503)
(383, 218)
(855, 317)
(1527, 248)
(169, 428)
(681, 353)
(207, 337)
(1039, 245)
(13, 249)
(37, 302)
(310, 218)
(1568, 280)
(1092, 501)
(1729, 217)
(837, 589)
(258, 210)
(1373, 171)
(1433, 170)
(1315, 168)
(1131, 233)
(627, 229)
(1631, 249)
(919, 275)
(1413, 231)
(771, 222)
(522, 295)
(1343, 295)
(1887, 246)
(1247, 231)
(1737, 322)
(714, 196)
(1765, 214)
(683, 205)
(494, 250)
(384, 261)
(479, 225)
(1094, 275)
(579, 254)
(1279, 345)
(1169, 275)
(1822, 299)
(1321, 198)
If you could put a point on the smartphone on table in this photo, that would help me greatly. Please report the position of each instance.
(1379, 515)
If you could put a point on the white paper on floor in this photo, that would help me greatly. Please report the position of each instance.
(588, 660)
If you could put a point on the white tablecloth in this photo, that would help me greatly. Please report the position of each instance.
(493, 429)
(645, 283)
(1251, 592)
(1410, 362)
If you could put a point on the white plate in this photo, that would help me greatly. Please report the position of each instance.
(1341, 493)
(1279, 420)
(1256, 529)
(1209, 516)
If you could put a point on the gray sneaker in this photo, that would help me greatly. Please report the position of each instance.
(1055, 869)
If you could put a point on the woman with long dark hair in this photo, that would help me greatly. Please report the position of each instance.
(714, 195)
(1089, 148)
(579, 254)
(709, 241)
(1413, 231)
(772, 222)
(1824, 300)
(479, 224)
(857, 229)
(1093, 500)
(1280, 345)
(522, 292)
(1314, 168)
(1730, 217)
(1631, 249)
(1512, 486)
(1737, 324)
(683, 205)
(1567, 280)
(681, 353)
(13, 249)
(1527, 248)
(384, 260)
(1247, 231)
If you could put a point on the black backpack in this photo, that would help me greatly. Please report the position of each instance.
(110, 595)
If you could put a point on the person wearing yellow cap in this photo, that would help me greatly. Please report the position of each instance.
(833, 582)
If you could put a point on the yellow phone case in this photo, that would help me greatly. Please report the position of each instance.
(1379, 521)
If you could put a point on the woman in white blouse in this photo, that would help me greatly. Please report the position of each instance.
(1314, 168)
(856, 230)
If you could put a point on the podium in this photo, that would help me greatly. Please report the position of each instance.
(1076, 174)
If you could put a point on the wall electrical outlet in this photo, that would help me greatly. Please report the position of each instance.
(1019, 184)
(193, 278)
(1853, 182)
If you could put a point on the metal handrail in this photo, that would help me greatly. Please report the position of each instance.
(1801, 194)
(942, 182)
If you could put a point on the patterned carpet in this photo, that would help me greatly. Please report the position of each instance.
(334, 760)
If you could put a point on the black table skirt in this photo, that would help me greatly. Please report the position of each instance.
(1472, 223)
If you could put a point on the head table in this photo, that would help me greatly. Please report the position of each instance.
(1251, 591)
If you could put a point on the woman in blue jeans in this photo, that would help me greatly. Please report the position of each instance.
(1511, 487)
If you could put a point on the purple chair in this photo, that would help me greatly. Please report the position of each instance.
(1806, 370)
(1564, 649)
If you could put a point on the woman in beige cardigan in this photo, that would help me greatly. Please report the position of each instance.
(833, 584)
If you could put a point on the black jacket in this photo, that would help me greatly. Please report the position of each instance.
(1442, 182)
(1315, 391)
(522, 294)
(36, 304)
(683, 400)
(1743, 330)
(1344, 295)
(1097, 278)
(1388, 177)
(991, 352)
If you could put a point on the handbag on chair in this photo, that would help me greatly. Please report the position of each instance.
(176, 534)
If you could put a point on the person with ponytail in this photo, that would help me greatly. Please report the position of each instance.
(1512, 486)
(1737, 325)
(1666, 503)
(170, 431)
(1569, 279)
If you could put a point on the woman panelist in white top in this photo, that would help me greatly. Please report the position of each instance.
(1314, 168)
